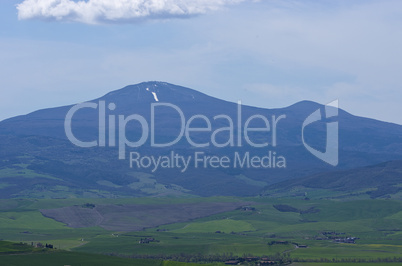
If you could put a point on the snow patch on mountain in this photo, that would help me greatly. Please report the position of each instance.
(155, 96)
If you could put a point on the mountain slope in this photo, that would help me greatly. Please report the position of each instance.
(38, 160)
(380, 180)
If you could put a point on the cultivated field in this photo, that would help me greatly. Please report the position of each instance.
(206, 229)
(135, 217)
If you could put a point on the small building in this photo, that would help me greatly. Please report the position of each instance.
(267, 262)
(232, 262)
(39, 245)
(248, 208)
(251, 258)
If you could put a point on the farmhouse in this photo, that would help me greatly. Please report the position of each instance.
(251, 258)
(348, 240)
(232, 262)
(248, 208)
(265, 261)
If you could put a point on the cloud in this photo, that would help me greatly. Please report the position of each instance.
(113, 11)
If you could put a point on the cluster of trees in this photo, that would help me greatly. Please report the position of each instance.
(182, 257)
(279, 258)
(40, 245)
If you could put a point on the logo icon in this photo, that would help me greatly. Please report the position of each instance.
(330, 155)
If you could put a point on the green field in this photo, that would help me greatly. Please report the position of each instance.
(19, 254)
(75, 258)
(224, 225)
(244, 231)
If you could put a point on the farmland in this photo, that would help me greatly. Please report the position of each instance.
(35, 256)
(207, 229)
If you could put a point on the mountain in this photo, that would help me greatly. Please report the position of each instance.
(382, 180)
(38, 160)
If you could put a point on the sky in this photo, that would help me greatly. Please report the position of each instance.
(266, 53)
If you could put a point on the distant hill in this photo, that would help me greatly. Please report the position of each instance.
(37, 159)
(382, 180)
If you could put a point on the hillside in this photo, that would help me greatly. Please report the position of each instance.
(382, 180)
(38, 160)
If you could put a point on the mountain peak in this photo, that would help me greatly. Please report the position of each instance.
(155, 91)
(149, 85)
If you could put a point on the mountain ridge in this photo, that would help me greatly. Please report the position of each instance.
(38, 142)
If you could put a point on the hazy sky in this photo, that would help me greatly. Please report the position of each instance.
(265, 53)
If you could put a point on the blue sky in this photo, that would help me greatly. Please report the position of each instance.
(265, 53)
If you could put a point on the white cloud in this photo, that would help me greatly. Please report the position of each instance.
(103, 11)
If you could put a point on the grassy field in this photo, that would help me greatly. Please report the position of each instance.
(224, 225)
(15, 248)
(19, 254)
(246, 230)
(75, 258)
